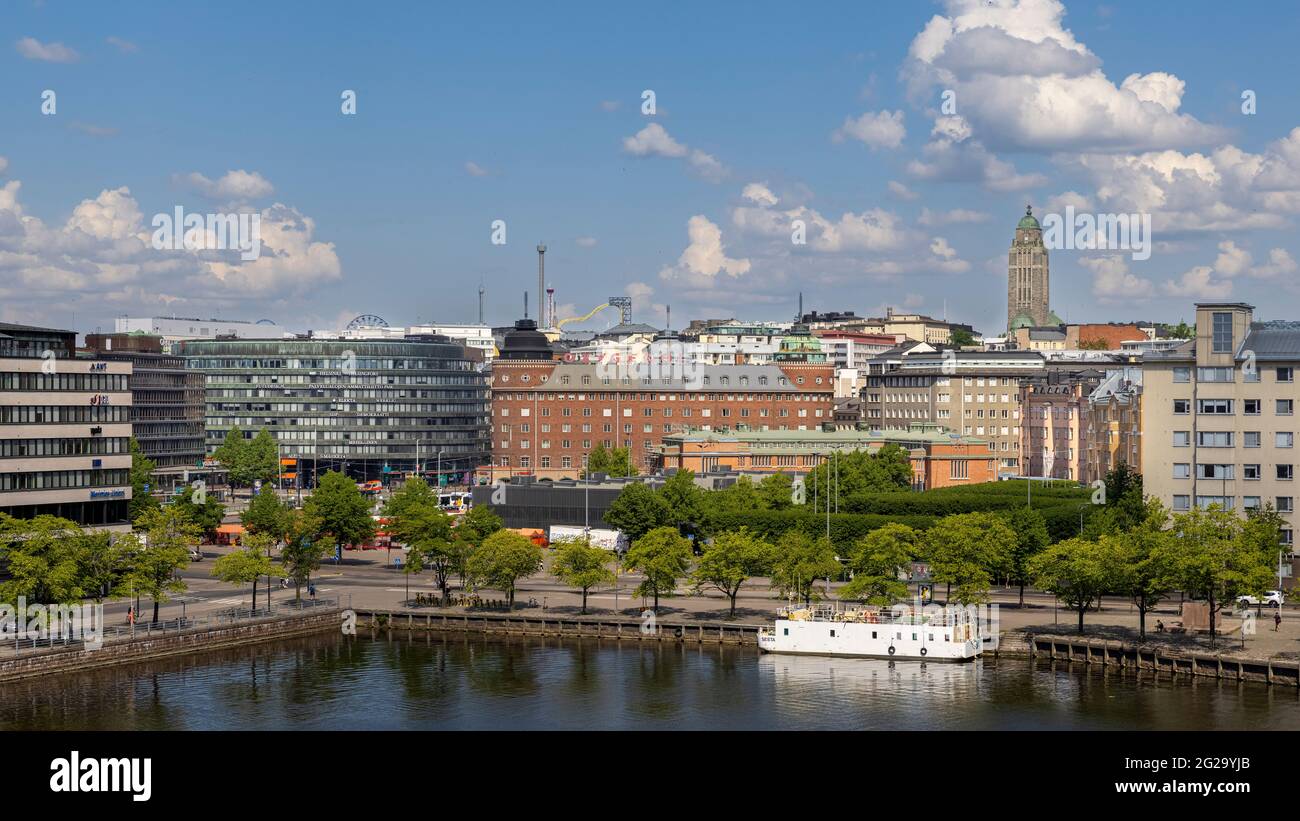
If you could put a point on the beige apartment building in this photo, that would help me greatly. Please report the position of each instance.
(65, 430)
(1218, 414)
(969, 393)
(1113, 425)
(918, 327)
(1053, 429)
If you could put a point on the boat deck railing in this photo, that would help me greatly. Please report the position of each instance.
(874, 615)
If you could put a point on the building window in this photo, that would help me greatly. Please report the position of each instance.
(1225, 502)
(1221, 341)
(1285, 407)
(1212, 471)
(1182, 502)
(1285, 472)
(1182, 438)
(1214, 407)
(1285, 375)
(1214, 375)
(1285, 504)
(1214, 438)
(1182, 470)
(1285, 439)
(1182, 374)
(1250, 473)
(1182, 406)
(1250, 439)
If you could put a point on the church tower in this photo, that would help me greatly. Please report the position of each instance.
(1027, 277)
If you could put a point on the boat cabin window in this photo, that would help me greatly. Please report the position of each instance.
(873, 634)
(913, 637)
(832, 634)
(932, 637)
(787, 631)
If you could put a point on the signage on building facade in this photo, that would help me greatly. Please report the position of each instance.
(108, 494)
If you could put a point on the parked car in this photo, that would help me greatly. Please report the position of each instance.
(1272, 598)
(196, 555)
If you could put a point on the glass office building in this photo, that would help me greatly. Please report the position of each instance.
(369, 408)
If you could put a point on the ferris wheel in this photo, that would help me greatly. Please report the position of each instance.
(367, 321)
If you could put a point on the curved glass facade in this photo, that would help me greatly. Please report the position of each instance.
(352, 405)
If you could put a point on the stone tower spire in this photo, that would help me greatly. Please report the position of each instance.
(1027, 276)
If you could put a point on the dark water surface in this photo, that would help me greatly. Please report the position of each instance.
(440, 682)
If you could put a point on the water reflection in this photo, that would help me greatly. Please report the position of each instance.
(419, 681)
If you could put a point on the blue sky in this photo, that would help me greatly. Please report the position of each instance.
(530, 113)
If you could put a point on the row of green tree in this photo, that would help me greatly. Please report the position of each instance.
(51, 560)
(869, 486)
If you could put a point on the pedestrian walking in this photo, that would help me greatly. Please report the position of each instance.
(311, 590)
(1277, 621)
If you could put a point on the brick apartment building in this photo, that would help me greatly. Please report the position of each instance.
(548, 415)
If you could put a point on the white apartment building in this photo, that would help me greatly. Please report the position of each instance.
(1218, 414)
(65, 430)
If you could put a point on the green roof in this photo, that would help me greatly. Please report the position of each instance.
(1028, 220)
(924, 432)
(1021, 321)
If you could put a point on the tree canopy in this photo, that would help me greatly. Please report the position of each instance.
(800, 561)
(663, 556)
(578, 563)
(248, 461)
(965, 551)
(610, 461)
(339, 510)
(877, 560)
(637, 511)
(858, 471)
(731, 559)
(502, 560)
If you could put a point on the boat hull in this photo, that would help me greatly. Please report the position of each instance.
(920, 642)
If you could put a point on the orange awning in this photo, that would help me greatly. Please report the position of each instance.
(232, 529)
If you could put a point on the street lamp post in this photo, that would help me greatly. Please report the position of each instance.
(828, 506)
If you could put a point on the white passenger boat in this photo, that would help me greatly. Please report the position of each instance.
(932, 634)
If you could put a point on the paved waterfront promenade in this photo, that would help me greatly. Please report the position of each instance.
(366, 579)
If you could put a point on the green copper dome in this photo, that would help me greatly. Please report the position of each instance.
(1028, 220)
(1021, 320)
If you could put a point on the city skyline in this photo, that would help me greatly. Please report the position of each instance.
(905, 141)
